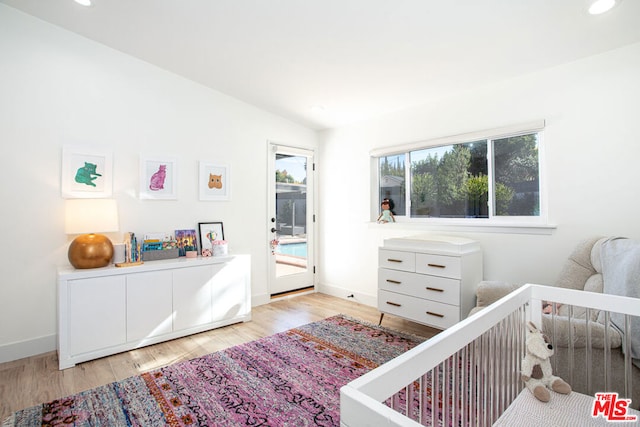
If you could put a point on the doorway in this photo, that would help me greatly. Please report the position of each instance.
(291, 219)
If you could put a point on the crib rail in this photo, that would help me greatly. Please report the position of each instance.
(469, 374)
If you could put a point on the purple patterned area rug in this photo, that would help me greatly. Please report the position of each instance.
(289, 379)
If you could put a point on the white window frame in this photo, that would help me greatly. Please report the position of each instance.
(508, 224)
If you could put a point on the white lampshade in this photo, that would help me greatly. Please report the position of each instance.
(90, 216)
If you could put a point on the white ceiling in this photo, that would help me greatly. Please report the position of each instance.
(358, 59)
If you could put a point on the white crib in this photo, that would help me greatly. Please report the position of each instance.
(471, 371)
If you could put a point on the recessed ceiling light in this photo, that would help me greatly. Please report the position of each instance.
(596, 7)
(84, 2)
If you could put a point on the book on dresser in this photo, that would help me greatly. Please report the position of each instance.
(429, 279)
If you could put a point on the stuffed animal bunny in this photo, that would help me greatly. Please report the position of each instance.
(536, 369)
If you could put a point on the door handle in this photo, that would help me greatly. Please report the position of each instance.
(273, 230)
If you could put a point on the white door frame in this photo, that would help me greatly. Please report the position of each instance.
(295, 281)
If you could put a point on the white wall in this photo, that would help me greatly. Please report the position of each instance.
(592, 153)
(58, 88)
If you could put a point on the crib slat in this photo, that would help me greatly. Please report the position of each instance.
(446, 392)
(588, 362)
(607, 350)
(421, 399)
(554, 327)
(458, 363)
(412, 397)
(485, 371)
(571, 344)
(473, 381)
(505, 365)
(464, 393)
(627, 355)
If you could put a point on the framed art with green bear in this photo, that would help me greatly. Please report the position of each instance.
(87, 172)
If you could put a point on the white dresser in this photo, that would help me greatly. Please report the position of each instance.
(429, 279)
(108, 310)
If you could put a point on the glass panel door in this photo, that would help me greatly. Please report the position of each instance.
(292, 219)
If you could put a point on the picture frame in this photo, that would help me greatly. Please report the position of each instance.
(214, 181)
(158, 178)
(87, 172)
(209, 232)
(187, 241)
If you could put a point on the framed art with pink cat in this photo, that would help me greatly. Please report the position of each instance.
(158, 178)
(214, 181)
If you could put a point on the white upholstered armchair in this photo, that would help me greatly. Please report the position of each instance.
(588, 342)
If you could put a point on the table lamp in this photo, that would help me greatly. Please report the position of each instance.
(90, 216)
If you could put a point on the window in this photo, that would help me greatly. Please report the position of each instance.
(490, 177)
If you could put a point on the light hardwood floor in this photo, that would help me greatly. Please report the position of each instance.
(27, 382)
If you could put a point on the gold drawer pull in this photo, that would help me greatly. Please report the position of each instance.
(395, 304)
(395, 282)
(435, 314)
(437, 265)
(435, 289)
(394, 260)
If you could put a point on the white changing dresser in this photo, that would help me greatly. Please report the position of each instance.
(429, 279)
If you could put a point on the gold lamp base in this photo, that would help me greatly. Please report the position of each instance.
(90, 251)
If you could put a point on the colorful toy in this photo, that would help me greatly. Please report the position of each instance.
(386, 215)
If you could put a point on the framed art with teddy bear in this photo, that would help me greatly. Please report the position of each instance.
(214, 181)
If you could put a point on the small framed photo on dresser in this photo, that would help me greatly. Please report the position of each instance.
(209, 232)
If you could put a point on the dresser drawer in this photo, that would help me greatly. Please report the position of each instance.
(423, 311)
(433, 288)
(439, 265)
(397, 260)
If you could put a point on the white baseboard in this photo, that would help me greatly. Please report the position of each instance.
(344, 293)
(22, 349)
